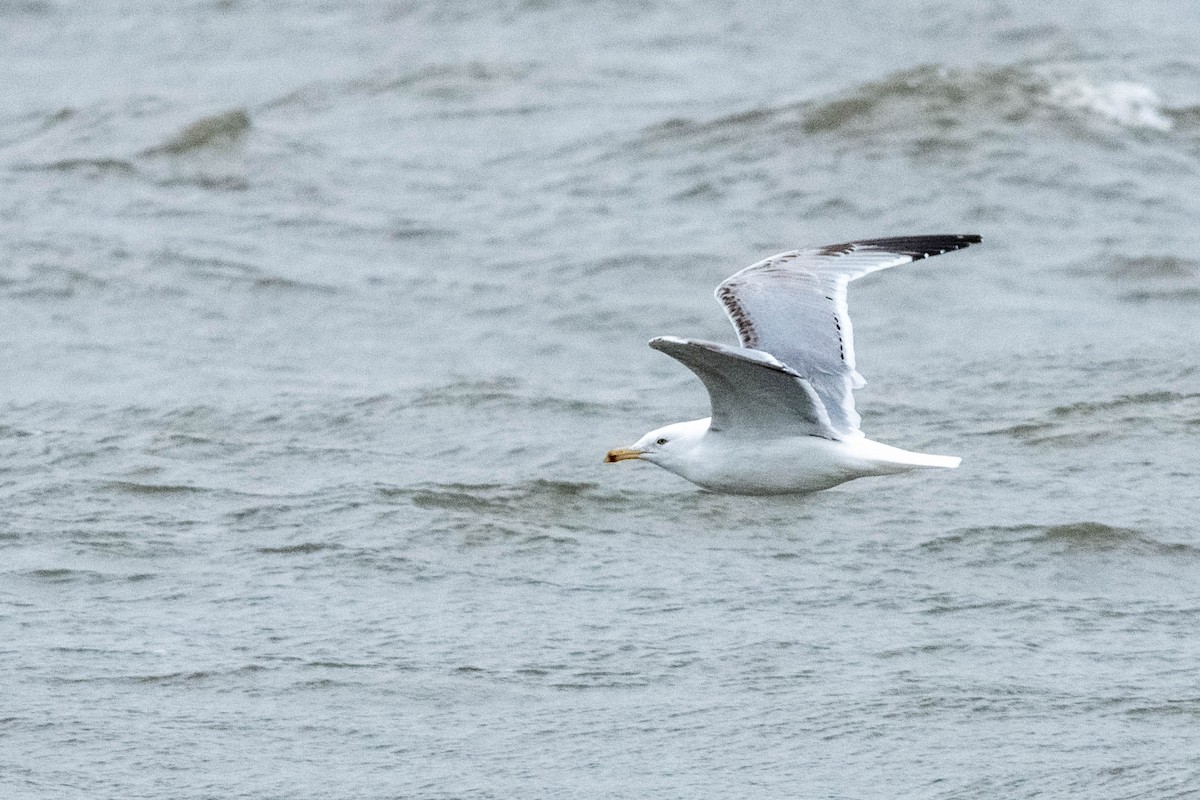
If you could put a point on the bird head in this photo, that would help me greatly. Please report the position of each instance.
(664, 446)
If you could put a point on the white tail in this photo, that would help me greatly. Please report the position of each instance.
(887, 456)
(937, 462)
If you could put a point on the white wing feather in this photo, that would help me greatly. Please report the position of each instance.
(751, 392)
(793, 306)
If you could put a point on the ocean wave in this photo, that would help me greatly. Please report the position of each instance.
(162, 272)
(87, 576)
(92, 166)
(488, 498)
(117, 142)
(948, 98)
(23, 7)
(229, 273)
(1099, 537)
(303, 548)
(209, 152)
(539, 512)
(1090, 533)
(441, 82)
(1099, 420)
(1142, 277)
(157, 489)
(1157, 267)
(534, 513)
(224, 130)
(179, 678)
(506, 391)
(1154, 277)
(44, 281)
(933, 107)
(469, 394)
(933, 97)
(1085, 536)
(1141, 400)
(1133, 105)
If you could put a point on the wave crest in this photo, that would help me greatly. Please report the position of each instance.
(933, 107)
(1126, 103)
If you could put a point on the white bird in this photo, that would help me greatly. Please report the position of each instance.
(783, 417)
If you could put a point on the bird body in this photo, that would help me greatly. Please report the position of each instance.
(783, 415)
(780, 465)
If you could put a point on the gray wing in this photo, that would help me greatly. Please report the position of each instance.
(751, 392)
(793, 306)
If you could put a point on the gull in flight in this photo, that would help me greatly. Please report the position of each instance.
(783, 418)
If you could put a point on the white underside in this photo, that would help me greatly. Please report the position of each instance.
(792, 464)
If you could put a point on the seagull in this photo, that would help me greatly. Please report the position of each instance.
(783, 418)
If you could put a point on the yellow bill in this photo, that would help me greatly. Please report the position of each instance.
(621, 454)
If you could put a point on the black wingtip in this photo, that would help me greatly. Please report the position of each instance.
(916, 247)
(925, 246)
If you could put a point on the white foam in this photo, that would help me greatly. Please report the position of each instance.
(1124, 102)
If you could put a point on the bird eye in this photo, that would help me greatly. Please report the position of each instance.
(663, 440)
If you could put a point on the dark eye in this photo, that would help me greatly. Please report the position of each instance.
(663, 440)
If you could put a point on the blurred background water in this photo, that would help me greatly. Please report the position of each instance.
(318, 319)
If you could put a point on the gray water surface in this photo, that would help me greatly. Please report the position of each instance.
(319, 319)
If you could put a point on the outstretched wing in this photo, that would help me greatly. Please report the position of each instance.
(793, 306)
(751, 391)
